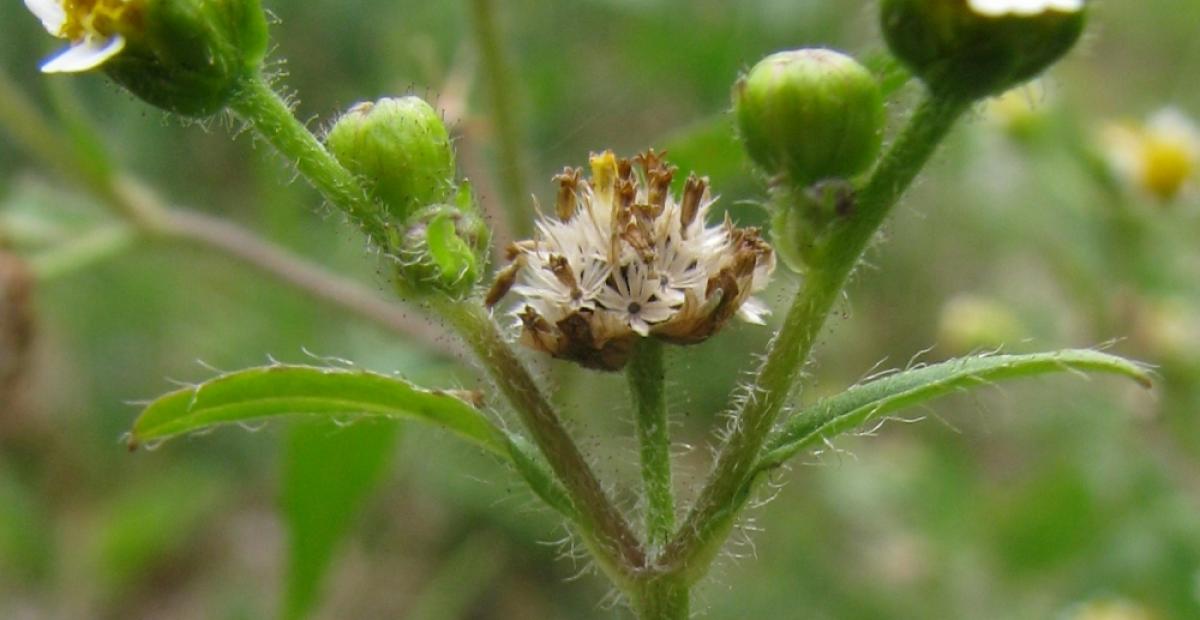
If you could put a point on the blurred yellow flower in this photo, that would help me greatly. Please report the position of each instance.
(1160, 157)
(1019, 111)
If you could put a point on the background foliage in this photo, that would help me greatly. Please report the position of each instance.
(1045, 499)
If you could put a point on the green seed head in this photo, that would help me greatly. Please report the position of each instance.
(970, 49)
(401, 150)
(189, 56)
(810, 114)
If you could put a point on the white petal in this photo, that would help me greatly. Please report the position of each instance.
(50, 12)
(998, 8)
(753, 311)
(85, 55)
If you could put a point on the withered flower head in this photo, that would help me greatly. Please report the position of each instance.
(622, 258)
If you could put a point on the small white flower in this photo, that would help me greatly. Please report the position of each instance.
(91, 27)
(637, 299)
(1023, 8)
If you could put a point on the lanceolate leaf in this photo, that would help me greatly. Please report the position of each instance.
(875, 399)
(260, 394)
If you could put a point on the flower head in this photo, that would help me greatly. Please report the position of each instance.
(971, 49)
(97, 30)
(185, 56)
(1160, 157)
(623, 258)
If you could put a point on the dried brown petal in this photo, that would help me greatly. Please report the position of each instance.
(693, 193)
(504, 282)
(561, 268)
(568, 187)
(625, 170)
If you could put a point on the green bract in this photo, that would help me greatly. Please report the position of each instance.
(811, 114)
(190, 56)
(959, 50)
(401, 150)
(444, 249)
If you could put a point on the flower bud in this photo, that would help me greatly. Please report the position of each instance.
(185, 56)
(969, 49)
(401, 150)
(810, 114)
(443, 249)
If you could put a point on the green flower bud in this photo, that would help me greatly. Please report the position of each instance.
(185, 56)
(810, 114)
(969, 49)
(443, 249)
(401, 150)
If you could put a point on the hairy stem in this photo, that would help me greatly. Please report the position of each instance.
(260, 106)
(646, 378)
(662, 598)
(602, 524)
(500, 86)
(730, 484)
(150, 218)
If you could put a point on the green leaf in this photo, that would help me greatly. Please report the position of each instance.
(329, 472)
(875, 399)
(258, 394)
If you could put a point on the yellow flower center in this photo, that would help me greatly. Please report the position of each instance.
(99, 17)
(1166, 165)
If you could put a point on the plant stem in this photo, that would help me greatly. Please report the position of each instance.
(664, 598)
(259, 105)
(646, 377)
(500, 86)
(697, 541)
(602, 524)
(151, 218)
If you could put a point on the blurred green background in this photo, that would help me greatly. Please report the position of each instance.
(1058, 498)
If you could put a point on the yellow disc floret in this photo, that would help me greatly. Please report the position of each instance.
(103, 18)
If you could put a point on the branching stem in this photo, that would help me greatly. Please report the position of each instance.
(147, 217)
(708, 522)
(604, 528)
